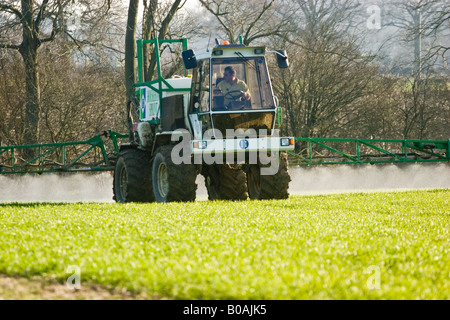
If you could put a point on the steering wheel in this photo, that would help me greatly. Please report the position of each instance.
(231, 95)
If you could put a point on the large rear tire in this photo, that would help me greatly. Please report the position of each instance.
(172, 182)
(132, 177)
(274, 186)
(225, 182)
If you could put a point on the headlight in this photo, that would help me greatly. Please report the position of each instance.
(200, 145)
(284, 142)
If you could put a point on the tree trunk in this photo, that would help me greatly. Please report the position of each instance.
(32, 99)
(28, 50)
(161, 35)
(130, 40)
(148, 32)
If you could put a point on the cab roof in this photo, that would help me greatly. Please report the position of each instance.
(232, 51)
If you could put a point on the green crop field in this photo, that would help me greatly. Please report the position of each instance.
(392, 245)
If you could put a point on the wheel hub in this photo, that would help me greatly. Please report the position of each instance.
(123, 183)
(163, 183)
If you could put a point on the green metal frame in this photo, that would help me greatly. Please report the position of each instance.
(160, 80)
(52, 157)
(320, 151)
(279, 117)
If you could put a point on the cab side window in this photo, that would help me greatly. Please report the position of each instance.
(204, 86)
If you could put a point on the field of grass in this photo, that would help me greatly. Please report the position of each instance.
(392, 245)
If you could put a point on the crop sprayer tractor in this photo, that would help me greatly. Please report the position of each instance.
(188, 125)
(219, 119)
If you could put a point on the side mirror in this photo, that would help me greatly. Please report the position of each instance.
(282, 59)
(189, 59)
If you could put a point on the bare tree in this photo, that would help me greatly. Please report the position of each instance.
(12, 97)
(31, 19)
(80, 101)
(420, 22)
(436, 26)
(156, 24)
(130, 40)
(252, 20)
(328, 73)
(39, 23)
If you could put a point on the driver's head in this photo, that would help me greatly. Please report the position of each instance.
(229, 74)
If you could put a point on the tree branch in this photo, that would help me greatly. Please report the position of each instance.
(52, 36)
(264, 9)
(217, 14)
(11, 9)
(167, 19)
(37, 22)
(9, 46)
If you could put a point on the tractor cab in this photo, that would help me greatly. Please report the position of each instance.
(231, 89)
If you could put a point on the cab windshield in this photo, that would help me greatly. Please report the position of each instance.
(245, 84)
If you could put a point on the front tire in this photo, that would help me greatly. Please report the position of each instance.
(226, 182)
(132, 177)
(172, 182)
(276, 186)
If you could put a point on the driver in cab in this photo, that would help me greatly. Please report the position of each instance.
(232, 88)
